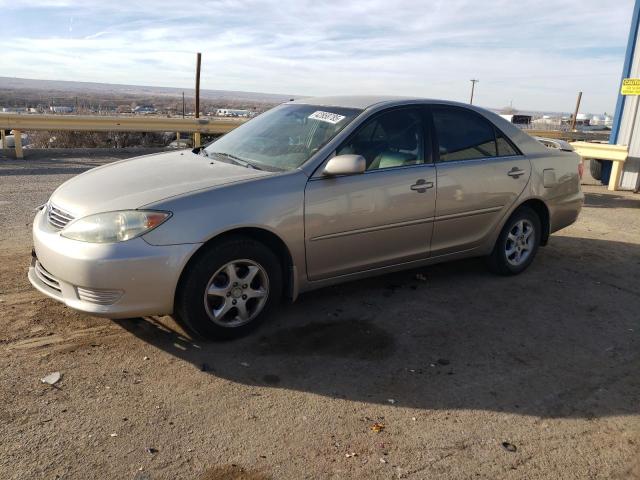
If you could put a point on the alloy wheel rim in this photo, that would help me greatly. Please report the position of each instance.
(236, 293)
(520, 242)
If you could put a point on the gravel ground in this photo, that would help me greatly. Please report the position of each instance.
(451, 364)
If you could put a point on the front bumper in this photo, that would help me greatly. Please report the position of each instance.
(117, 280)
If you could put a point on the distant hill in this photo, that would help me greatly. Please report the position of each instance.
(93, 88)
(22, 91)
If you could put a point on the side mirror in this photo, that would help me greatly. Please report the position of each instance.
(345, 165)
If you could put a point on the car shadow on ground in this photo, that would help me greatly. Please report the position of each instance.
(611, 200)
(560, 340)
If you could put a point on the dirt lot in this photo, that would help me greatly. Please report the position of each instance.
(452, 366)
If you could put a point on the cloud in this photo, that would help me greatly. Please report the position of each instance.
(538, 55)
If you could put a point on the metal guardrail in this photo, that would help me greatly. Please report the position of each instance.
(19, 123)
(603, 151)
(198, 126)
(569, 136)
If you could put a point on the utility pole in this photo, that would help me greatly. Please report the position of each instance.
(178, 133)
(575, 114)
(196, 135)
(473, 87)
(198, 60)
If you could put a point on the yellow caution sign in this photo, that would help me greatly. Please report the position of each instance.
(630, 86)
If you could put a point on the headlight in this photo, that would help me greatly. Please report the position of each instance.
(111, 227)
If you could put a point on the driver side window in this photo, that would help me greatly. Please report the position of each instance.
(391, 139)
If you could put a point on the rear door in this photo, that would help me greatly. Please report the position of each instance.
(383, 216)
(480, 174)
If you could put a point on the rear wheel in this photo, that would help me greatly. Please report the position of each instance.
(229, 289)
(517, 243)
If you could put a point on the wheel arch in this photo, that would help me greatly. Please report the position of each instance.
(542, 210)
(259, 234)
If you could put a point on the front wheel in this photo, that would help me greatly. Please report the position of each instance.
(229, 289)
(517, 243)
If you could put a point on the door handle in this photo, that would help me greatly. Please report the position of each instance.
(421, 186)
(515, 172)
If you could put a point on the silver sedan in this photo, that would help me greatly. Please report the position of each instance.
(311, 193)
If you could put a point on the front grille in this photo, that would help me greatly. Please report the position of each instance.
(46, 278)
(100, 297)
(57, 217)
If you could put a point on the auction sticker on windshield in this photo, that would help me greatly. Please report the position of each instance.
(326, 116)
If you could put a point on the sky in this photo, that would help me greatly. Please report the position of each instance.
(536, 54)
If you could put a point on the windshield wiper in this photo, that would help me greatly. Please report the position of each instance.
(238, 161)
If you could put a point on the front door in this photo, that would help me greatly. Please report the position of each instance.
(480, 176)
(378, 218)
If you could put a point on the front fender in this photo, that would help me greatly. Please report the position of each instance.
(274, 203)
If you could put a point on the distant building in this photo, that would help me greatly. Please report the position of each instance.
(517, 119)
(582, 120)
(13, 109)
(145, 109)
(61, 109)
(547, 120)
(231, 112)
(602, 120)
(608, 121)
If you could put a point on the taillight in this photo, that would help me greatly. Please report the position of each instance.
(580, 169)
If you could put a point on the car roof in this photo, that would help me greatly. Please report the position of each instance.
(366, 101)
(525, 143)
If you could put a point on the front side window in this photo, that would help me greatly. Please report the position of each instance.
(390, 139)
(462, 134)
(282, 138)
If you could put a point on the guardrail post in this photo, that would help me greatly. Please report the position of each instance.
(17, 138)
(3, 138)
(177, 135)
(614, 179)
(196, 140)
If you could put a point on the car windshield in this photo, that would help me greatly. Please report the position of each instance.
(282, 138)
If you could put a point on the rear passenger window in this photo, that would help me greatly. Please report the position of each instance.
(505, 148)
(463, 135)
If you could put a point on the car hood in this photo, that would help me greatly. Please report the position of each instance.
(135, 182)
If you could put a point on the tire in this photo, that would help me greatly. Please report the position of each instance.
(523, 247)
(595, 168)
(244, 281)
